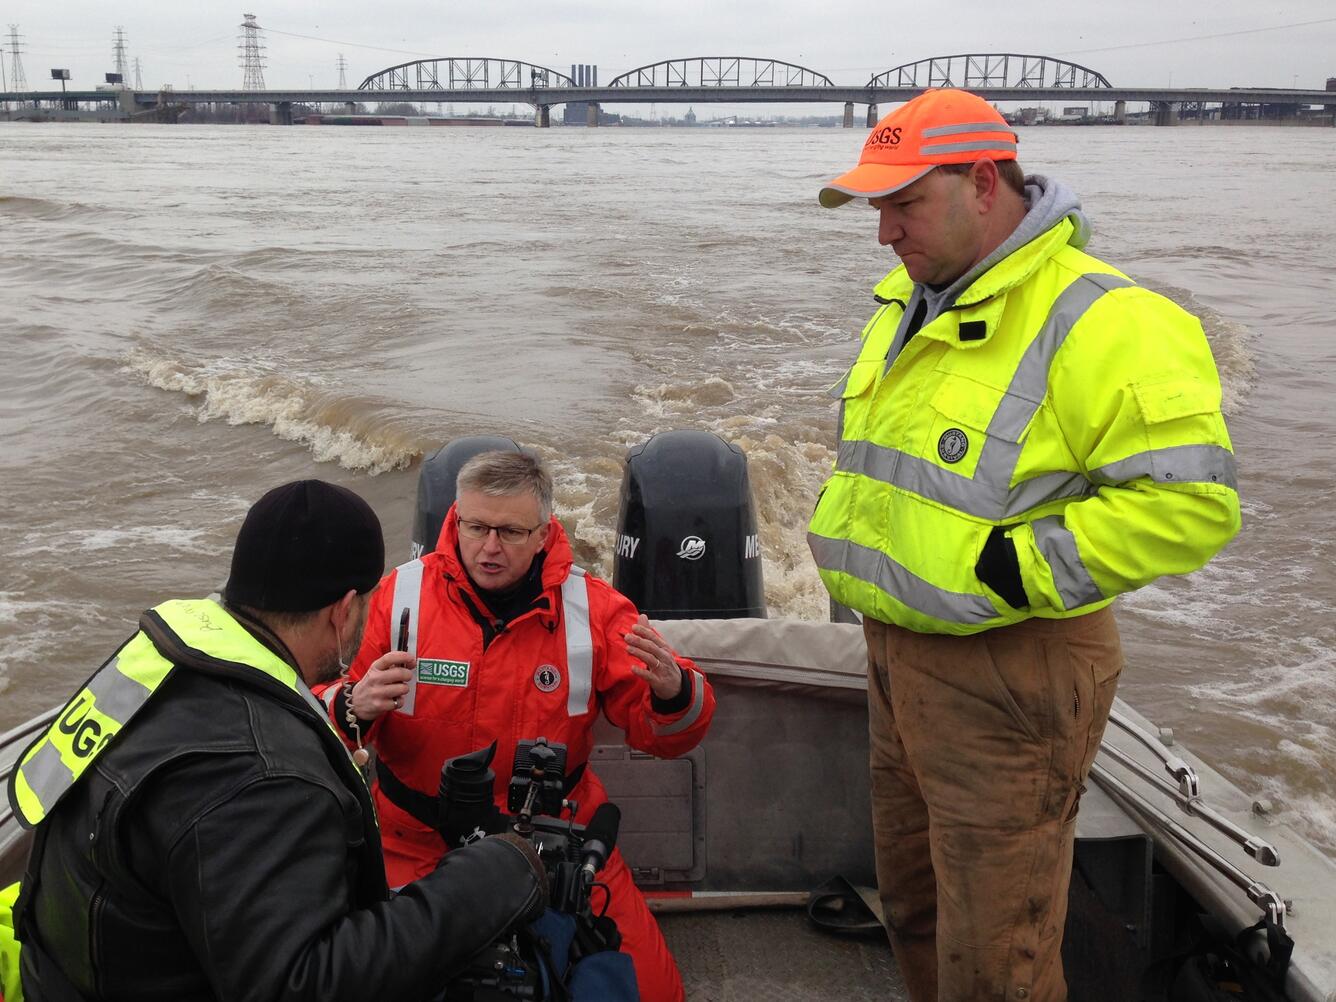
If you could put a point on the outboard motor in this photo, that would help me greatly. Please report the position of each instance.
(436, 484)
(687, 545)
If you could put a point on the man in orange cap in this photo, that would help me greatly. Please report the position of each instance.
(1024, 435)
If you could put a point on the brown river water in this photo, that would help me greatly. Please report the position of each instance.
(190, 315)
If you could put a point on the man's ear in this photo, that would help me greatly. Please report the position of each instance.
(987, 180)
(342, 610)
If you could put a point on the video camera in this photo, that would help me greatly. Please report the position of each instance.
(572, 854)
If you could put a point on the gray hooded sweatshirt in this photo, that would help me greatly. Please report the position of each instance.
(1047, 203)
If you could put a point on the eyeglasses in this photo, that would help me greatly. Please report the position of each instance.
(511, 535)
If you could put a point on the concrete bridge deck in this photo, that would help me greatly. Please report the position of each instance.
(688, 95)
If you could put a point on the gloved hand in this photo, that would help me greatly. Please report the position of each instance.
(1000, 570)
(536, 865)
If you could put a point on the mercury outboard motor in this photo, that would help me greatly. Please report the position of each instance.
(687, 546)
(436, 484)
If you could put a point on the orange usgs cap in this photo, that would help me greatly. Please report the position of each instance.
(937, 127)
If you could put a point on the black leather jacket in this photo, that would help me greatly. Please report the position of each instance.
(226, 848)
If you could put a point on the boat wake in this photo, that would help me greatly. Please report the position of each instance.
(359, 435)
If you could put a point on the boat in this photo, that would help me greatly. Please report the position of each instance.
(755, 849)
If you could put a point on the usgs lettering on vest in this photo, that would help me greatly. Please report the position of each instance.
(433, 671)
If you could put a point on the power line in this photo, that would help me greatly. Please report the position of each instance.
(1197, 38)
(355, 45)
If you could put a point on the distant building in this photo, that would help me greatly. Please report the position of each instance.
(690, 117)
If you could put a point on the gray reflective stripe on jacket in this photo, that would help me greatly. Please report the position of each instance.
(407, 595)
(579, 642)
(693, 713)
(579, 637)
(843, 556)
(1058, 545)
(1178, 464)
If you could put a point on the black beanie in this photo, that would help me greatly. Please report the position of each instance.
(303, 546)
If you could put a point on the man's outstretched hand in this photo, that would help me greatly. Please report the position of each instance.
(661, 670)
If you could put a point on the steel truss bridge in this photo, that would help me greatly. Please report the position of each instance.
(468, 73)
(721, 71)
(979, 70)
(708, 79)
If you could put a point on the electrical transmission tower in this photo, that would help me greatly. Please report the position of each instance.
(119, 55)
(252, 54)
(17, 81)
(139, 77)
(343, 72)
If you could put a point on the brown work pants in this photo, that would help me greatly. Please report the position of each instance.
(979, 749)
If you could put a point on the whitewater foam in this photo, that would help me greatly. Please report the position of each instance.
(335, 429)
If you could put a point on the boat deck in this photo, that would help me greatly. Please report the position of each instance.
(745, 956)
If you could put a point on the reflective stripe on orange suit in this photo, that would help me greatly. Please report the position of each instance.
(502, 700)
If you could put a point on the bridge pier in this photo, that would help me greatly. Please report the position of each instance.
(848, 114)
(281, 113)
(1119, 112)
(542, 116)
(591, 114)
(872, 116)
(1166, 112)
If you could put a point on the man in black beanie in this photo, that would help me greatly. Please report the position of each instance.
(200, 830)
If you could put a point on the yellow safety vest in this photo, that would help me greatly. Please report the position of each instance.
(99, 711)
(1056, 398)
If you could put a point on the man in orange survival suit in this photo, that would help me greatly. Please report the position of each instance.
(513, 642)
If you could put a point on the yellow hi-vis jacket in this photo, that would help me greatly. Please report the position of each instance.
(11, 987)
(1055, 398)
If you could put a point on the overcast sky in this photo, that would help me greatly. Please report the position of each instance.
(1133, 42)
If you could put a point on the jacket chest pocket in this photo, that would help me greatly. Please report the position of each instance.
(854, 394)
(974, 432)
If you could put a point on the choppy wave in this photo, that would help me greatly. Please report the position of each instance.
(1296, 773)
(90, 540)
(24, 207)
(219, 289)
(38, 634)
(355, 434)
(1235, 358)
(1246, 254)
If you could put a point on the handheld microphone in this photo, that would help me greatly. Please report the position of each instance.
(599, 840)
